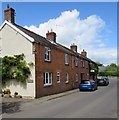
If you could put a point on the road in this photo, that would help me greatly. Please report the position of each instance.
(101, 103)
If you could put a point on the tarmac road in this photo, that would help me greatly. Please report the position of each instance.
(101, 103)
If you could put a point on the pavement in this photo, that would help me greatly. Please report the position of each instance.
(11, 105)
(41, 99)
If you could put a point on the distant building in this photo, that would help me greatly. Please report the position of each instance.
(56, 68)
(102, 68)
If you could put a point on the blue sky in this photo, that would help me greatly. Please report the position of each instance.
(32, 14)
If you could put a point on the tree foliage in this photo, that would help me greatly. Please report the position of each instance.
(99, 64)
(111, 70)
(14, 68)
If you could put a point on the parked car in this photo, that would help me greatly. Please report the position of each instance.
(104, 81)
(88, 85)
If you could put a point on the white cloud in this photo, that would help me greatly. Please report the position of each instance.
(85, 33)
(105, 55)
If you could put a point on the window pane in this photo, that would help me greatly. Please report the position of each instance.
(58, 76)
(66, 58)
(47, 53)
(76, 76)
(46, 78)
(50, 78)
(67, 77)
(76, 61)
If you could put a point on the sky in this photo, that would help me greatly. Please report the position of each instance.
(92, 26)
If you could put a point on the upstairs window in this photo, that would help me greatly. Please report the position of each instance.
(87, 65)
(66, 59)
(82, 63)
(47, 54)
(76, 61)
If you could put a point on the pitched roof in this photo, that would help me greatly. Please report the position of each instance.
(33, 37)
(39, 39)
(16, 29)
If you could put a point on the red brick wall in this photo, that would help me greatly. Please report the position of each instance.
(57, 64)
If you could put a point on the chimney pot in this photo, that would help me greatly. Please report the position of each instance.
(73, 47)
(7, 5)
(51, 36)
(84, 53)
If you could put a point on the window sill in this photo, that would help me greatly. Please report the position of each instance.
(67, 82)
(47, 85)
(67, 64)
(49, 61)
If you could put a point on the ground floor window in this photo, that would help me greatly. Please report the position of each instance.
(76, 77)
(47, 78)
(67, 78)
(58, 77)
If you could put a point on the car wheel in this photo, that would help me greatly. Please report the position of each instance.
(93, 89)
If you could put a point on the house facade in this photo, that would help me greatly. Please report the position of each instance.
(56, 68)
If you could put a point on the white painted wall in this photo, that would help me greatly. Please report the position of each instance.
(13, 43)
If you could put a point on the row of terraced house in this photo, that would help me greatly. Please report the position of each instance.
(56, 68)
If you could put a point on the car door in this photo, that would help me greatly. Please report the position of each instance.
(93, 84)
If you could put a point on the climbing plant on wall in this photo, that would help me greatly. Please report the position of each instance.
(15, 67)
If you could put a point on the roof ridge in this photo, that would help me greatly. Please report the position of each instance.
(28, 30)
(43, 39)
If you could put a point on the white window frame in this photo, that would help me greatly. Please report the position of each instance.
(76, 61)
(87, 65)
(58, 77)
(67, 78)
(47, 54)
(82, 64)
(77, 77)
(66, 59)
(47, 77)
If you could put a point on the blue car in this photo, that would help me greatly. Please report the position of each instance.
(88, 85)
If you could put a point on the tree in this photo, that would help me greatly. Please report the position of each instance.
(111, 70)
(99, 64)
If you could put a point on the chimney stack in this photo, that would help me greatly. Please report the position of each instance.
(84, 53)
(73, 47)
(9, 14)
(51, 36)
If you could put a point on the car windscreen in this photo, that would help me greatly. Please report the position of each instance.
(85, 82)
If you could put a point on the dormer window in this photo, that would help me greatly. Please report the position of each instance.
(47, 54)
(66, 59)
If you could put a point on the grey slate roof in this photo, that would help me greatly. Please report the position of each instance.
(40, 39)
(36, 37)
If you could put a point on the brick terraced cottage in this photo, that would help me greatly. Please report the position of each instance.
(56, 68)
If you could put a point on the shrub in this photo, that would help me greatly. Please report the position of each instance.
(7, 91)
